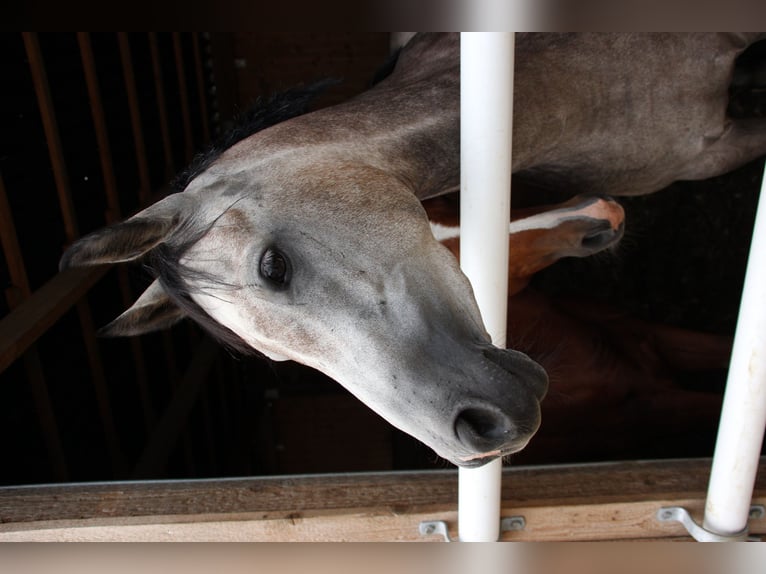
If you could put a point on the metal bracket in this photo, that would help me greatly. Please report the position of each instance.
(700, 534)
(429, 527)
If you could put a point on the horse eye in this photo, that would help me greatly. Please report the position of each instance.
(274, 267)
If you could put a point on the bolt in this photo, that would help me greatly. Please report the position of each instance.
(757, 512)
(512, 523)
(666, 515)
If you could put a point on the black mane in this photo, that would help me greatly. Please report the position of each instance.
(166, 265)
(263, 114)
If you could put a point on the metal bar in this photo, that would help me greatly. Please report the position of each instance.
(486, 106)
(743, 414)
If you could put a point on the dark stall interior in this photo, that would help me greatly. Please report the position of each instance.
(93, 126)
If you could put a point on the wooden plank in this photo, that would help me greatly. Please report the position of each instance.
(175, 382)
(581, 502)
(199, 67)
(99, 123)
(52, 137)
(145, 184)
(226, 90)
(162, 109)
(12, 250)
(27, 322)
(174, 419)
(19, 292)
(114, 213)
(58, 164)
(183, 90)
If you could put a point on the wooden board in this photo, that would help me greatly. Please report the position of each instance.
(32, 318)
(607, 501)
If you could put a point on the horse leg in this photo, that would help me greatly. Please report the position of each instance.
(743, 140)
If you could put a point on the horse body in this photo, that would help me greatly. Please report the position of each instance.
(597, 113)
(627, 114)
(307, 241)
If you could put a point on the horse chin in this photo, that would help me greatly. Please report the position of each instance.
(480, 459)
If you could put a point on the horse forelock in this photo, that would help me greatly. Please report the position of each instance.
(180, 282)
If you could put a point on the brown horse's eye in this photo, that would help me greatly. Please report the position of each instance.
(274, 267)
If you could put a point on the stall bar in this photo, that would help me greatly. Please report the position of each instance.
(743, 416)
(486, 128)
(486, 109)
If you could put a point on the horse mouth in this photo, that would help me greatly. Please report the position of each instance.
(482, 458)
(478, 460)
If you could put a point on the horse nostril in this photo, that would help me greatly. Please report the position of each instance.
(483, 429)
(602, 238)
(597, 239)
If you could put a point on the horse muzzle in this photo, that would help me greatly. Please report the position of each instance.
(488, 428)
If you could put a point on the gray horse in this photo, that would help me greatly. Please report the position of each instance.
(307, 240)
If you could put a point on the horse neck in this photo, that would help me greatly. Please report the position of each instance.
(409, 130)
(408, 125)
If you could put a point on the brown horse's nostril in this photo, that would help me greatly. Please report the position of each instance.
(602, 238)
(483, 429)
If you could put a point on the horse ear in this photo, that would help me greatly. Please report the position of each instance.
(153, 311)
(131, 238)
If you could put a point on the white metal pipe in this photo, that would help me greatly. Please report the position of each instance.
(743, 415)
(486, 115)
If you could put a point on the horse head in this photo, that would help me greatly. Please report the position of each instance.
(306, 252)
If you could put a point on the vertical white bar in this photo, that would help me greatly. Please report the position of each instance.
(743, 416)
(486, 115)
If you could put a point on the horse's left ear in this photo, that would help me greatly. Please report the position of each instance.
(131, 238)
(153, 311)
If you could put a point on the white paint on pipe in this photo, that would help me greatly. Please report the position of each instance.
(743, 415)
(486, 109)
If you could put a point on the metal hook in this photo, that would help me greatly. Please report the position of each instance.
(700, 534)
(427, 528)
